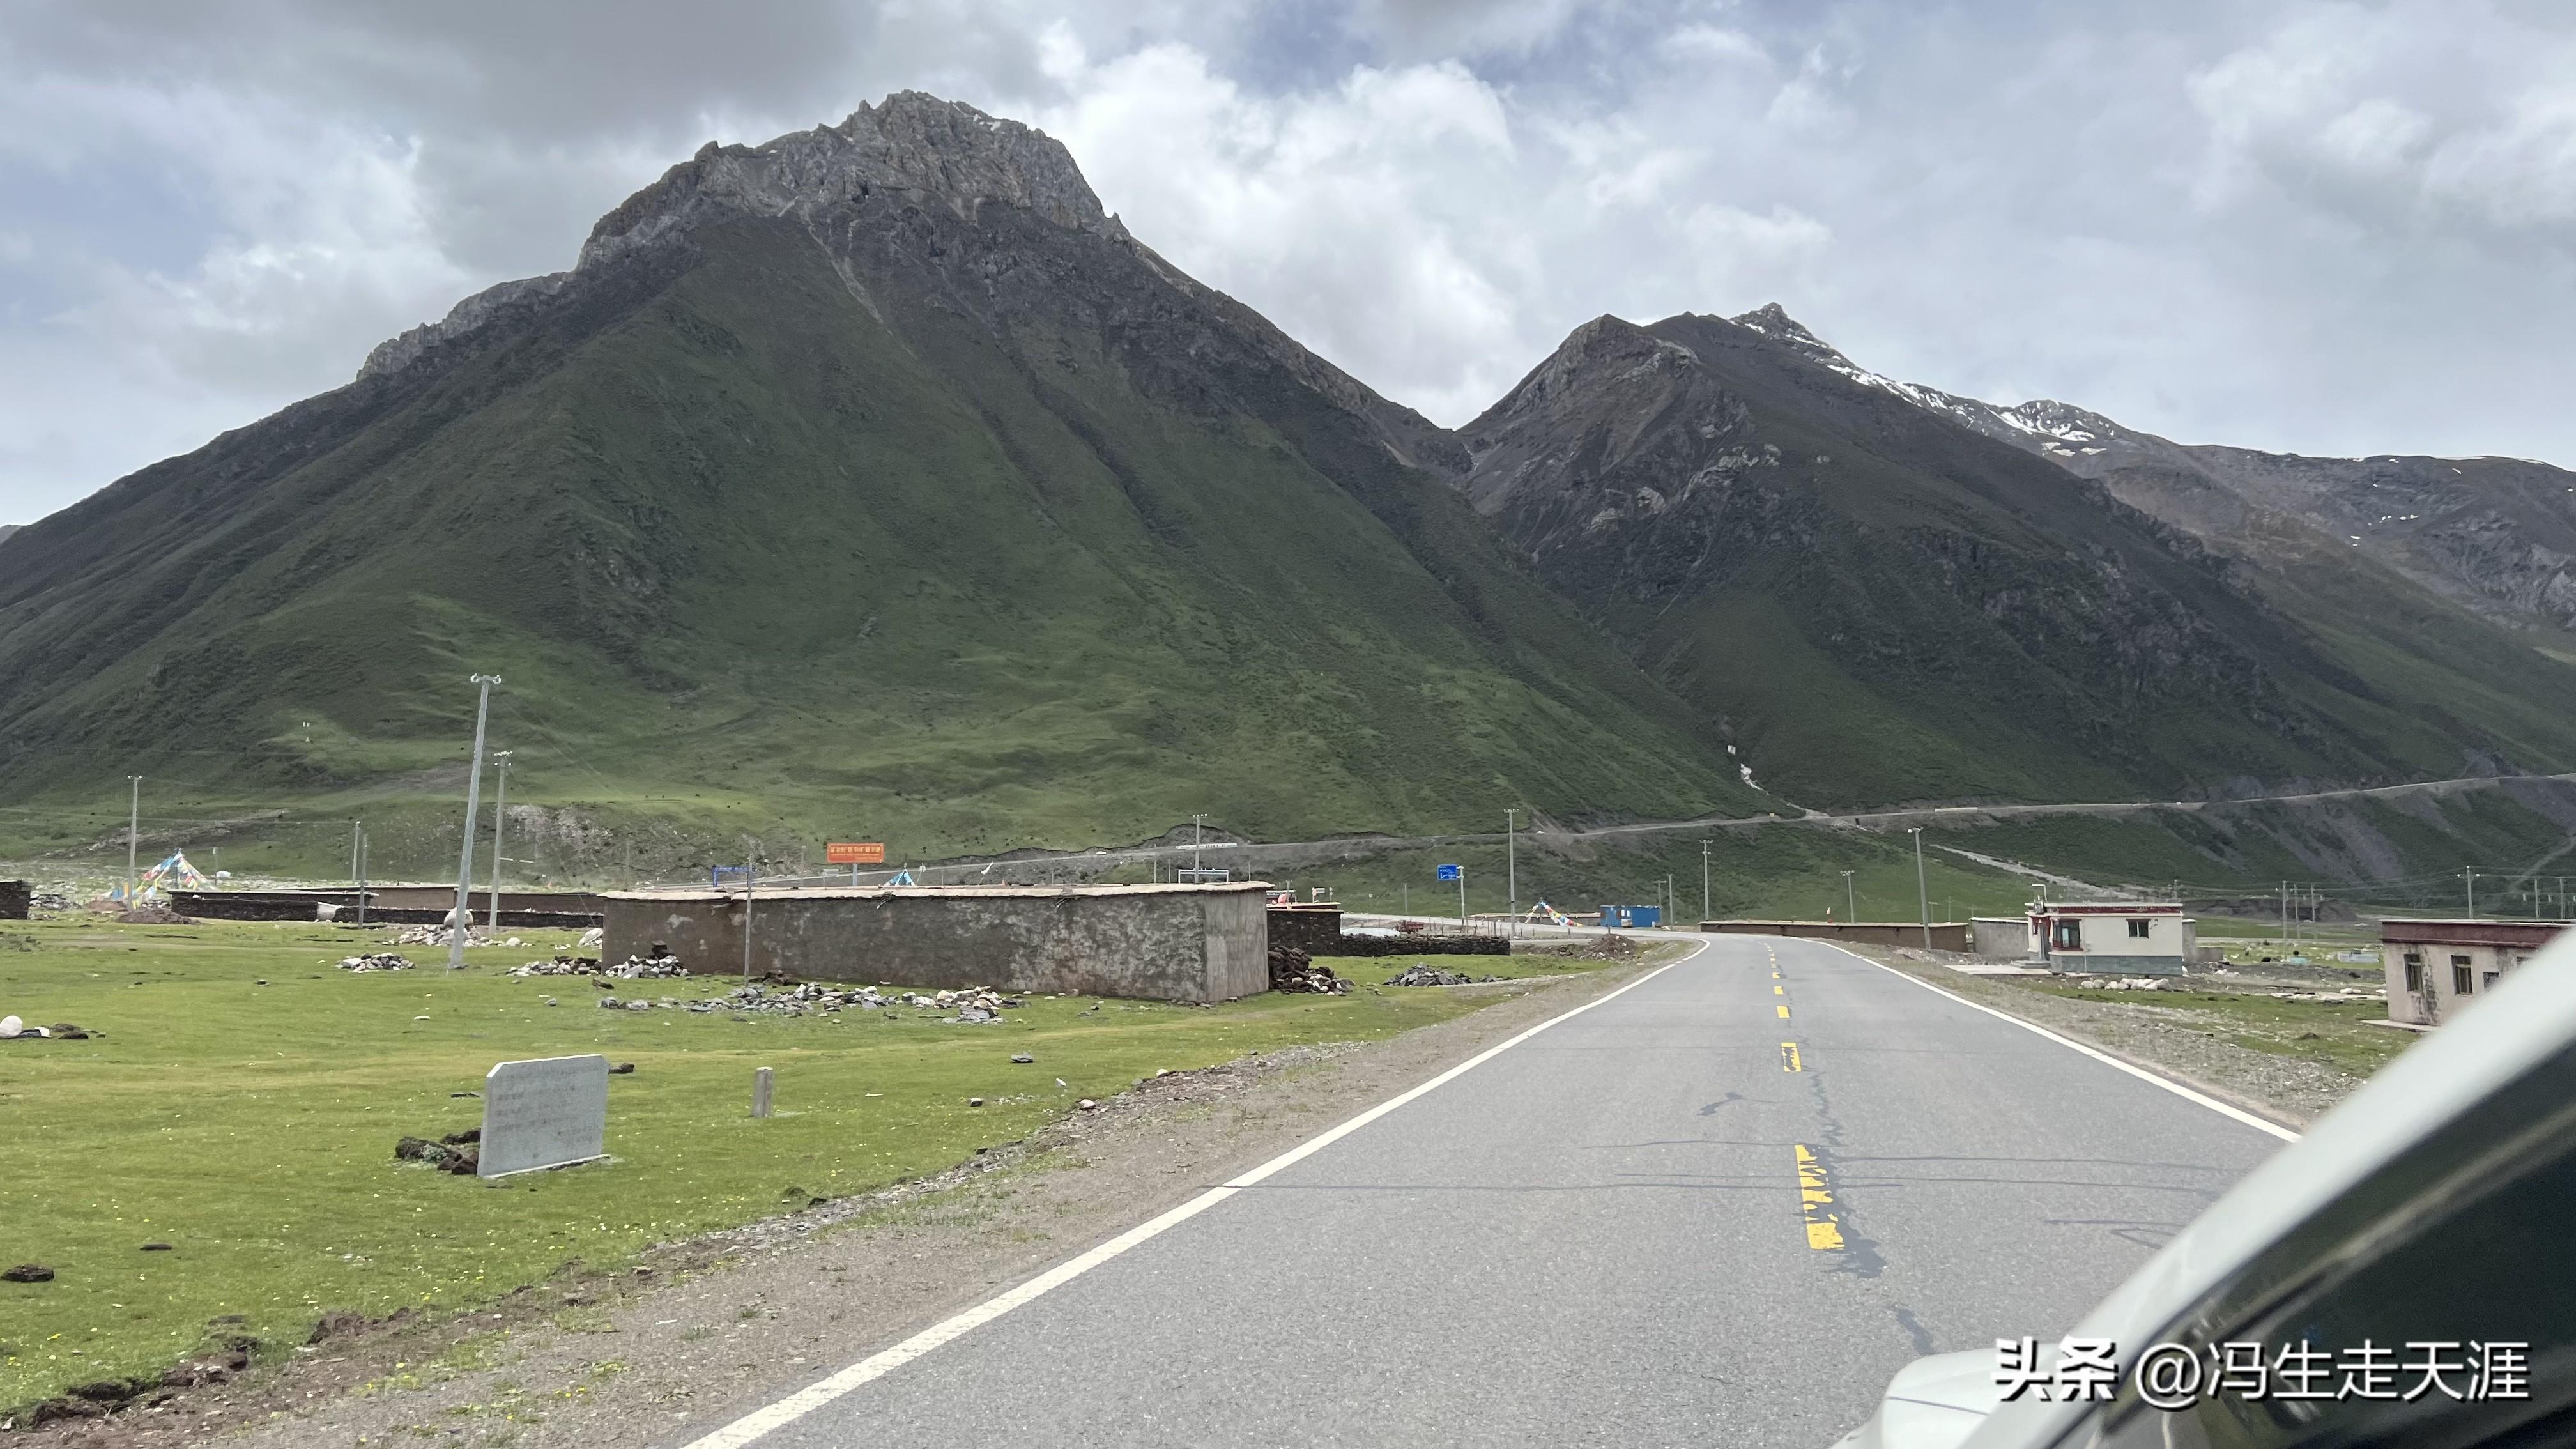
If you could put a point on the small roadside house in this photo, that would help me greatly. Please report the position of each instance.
(2113, 938)
(2436, 967)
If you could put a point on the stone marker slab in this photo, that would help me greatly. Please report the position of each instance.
(550, 1112)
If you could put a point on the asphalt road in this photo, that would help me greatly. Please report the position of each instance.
(1600, 1236)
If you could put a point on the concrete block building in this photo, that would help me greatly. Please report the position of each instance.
(2113, 938)
(2438, 967)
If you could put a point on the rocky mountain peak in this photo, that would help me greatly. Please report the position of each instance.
(1773, 321)
(934, 152)
(931, 152)
(1606, 343)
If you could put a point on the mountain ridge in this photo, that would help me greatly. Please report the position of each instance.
(993, 529)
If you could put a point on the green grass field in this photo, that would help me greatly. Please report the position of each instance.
(2338, 1034)
(251, 1126)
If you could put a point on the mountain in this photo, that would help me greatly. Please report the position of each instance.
(2496, 536)
(7, 529)
(872, 481)
(1878, 599)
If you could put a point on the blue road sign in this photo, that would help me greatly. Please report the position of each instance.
(1448, 872)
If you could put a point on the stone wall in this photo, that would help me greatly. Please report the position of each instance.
(1311, 929)
(1167, 942)
(1419, 946)
(1946, 935)
(298, 906)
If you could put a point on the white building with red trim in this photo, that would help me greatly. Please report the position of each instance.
(2112, 938)
(2437, 967)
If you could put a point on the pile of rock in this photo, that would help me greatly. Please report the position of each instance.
(1419, 974)
(376, 961)
(1611, 947)
(1294, 970)
(458, 1152)
(49, 901)
(152, 913)
(633, 968)
(437, 936)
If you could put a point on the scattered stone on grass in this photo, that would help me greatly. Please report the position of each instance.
(375, 961)
(1420, 974)
(1295, 970)
(973, 1006)
(27, 1273)
(13, 1029)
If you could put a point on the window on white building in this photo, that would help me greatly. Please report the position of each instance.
(2137, 930)
(2460, 976)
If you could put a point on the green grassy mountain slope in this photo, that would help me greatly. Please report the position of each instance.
(872, 483)
(1880, 603)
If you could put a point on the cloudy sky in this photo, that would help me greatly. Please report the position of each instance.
(2325, 227)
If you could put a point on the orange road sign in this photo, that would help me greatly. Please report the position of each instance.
(854, 852)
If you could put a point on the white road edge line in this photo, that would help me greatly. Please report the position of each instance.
(2132, 1068)
(804, 1401)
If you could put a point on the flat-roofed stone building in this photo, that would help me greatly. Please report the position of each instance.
(1181, 942)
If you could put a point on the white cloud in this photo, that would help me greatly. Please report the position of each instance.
(2197, 215)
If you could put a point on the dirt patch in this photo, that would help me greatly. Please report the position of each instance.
(719, 1324)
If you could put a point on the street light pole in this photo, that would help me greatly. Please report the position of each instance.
(1704, 907)
(133, 834)
(1851, 900)
(1922, 889)
(500, 823)
(473, 803)
(1512, 867)
(1198, 831)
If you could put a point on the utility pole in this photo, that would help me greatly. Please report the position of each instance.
(1512, 868)
(353, 851)
(1704, 907)
(2471, 877)
(133, 834)
(1198, 831)
(500, 823)
(1462, 900)
(2285, 913)
(473, 802)
(1851, 900)
(1922, 887)
(750, 880)
(361, 870)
